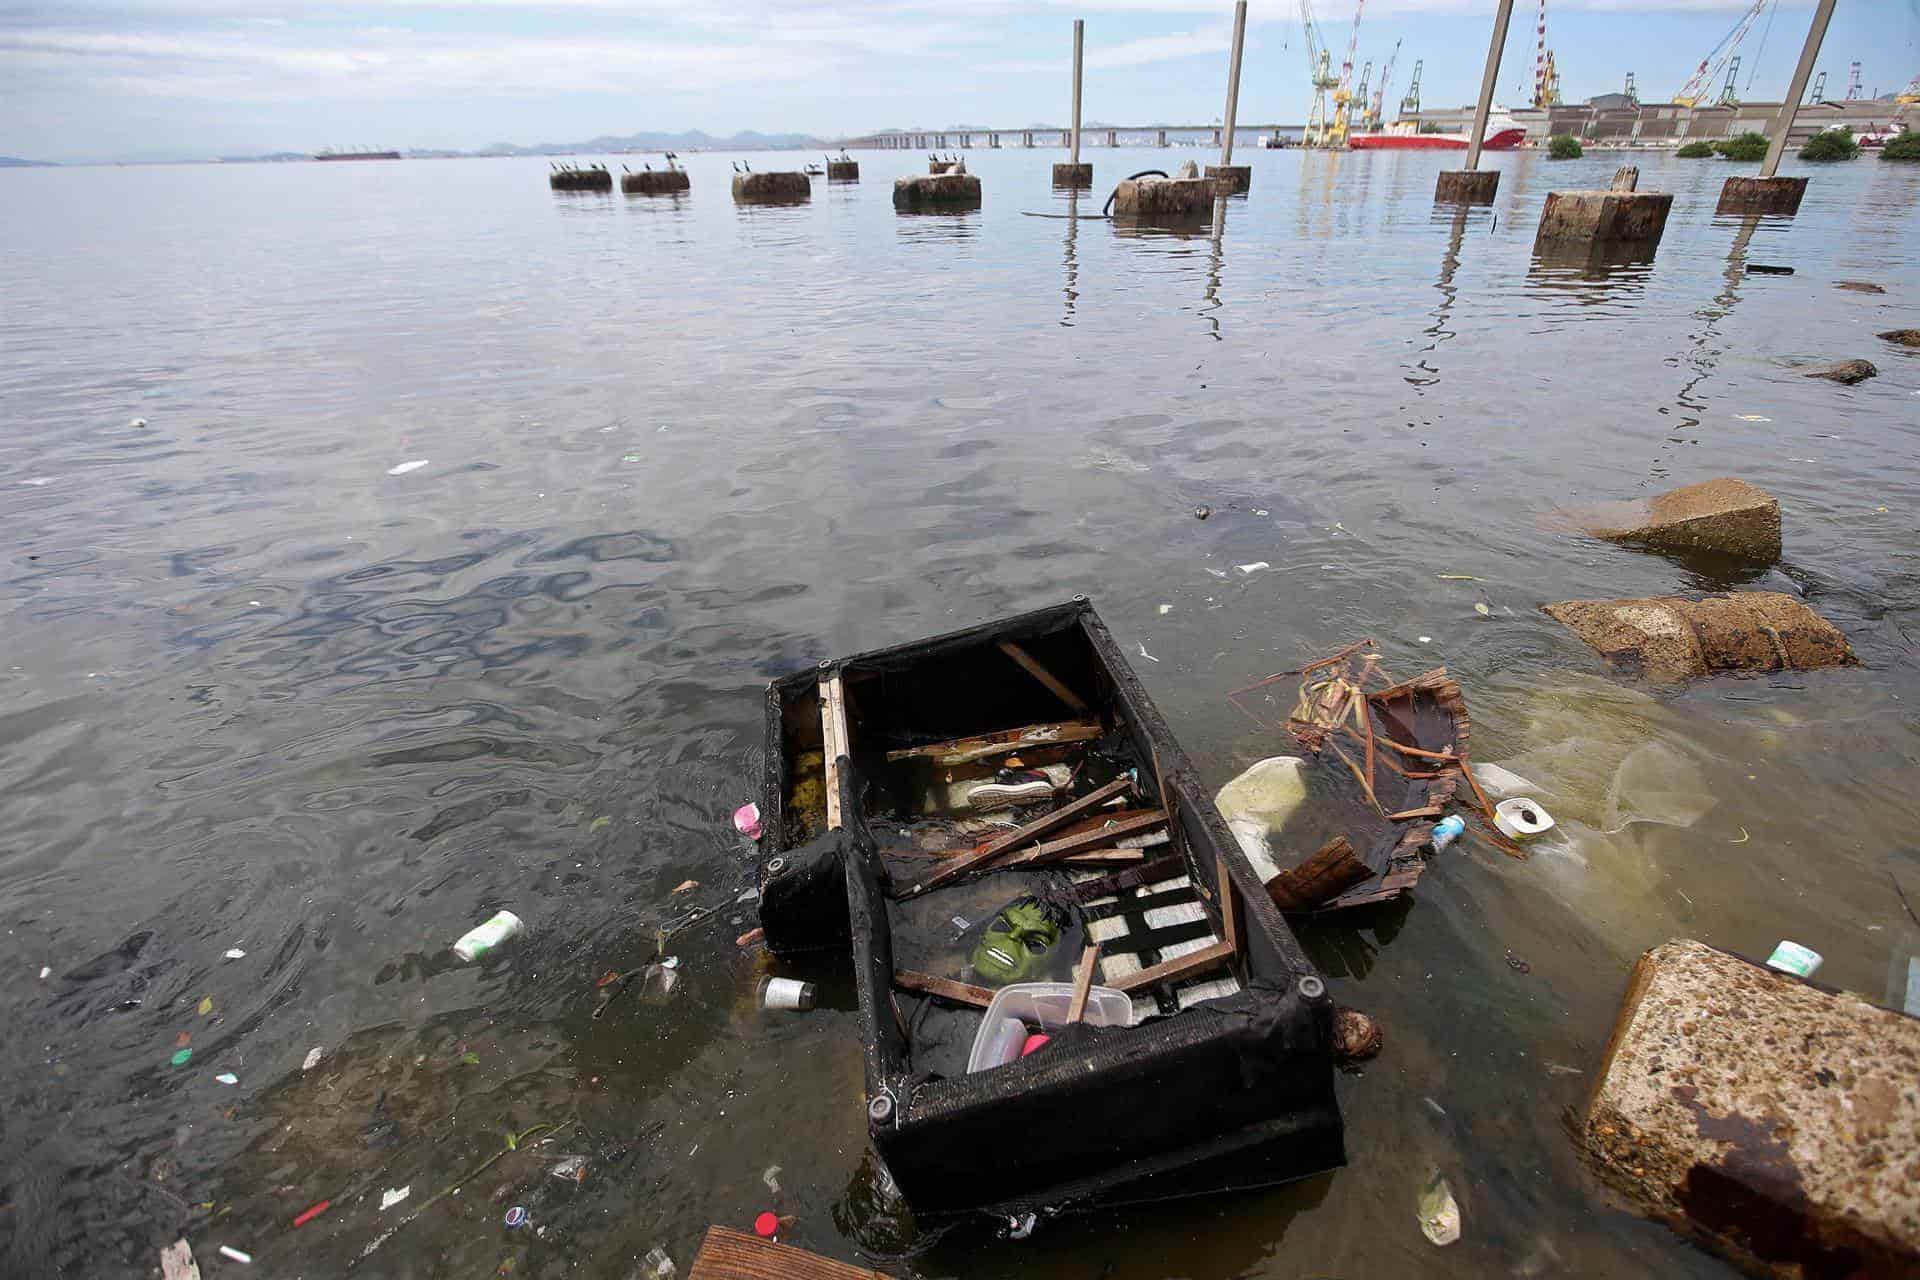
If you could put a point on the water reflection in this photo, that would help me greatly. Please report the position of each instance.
(1070, 290)
(1620, 270)
(1216, 262)
(936, 226)
(1424, 372)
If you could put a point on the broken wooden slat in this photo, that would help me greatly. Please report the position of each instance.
(1229, 907)
(1044, 676)
(833, 743)
(1430, 811)
(1331, 871)
(1082, 983)
(953, 868)
(1106, 858)
(1006, 742)
(927, 984)
(735, 1255)
(1122, 826)
(1173, 970)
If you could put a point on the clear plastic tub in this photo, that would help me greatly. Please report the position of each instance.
(1017, 1009)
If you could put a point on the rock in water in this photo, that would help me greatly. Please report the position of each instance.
(1845, 372)
(1769, 1119)
(1675, 638)
(1726, 515)
(1905, 337)
(1859, 286)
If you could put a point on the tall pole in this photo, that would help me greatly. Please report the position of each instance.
(1079, 36)
(1480, 110)
(1783, 123)
(1233, 82)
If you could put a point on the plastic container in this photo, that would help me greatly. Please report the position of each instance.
(1791, 957)
(1521, 819)
(786, 993)
(1447, 830)
(1017, 1010)
(482, 939)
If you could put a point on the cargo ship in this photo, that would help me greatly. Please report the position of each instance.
(1504, 140)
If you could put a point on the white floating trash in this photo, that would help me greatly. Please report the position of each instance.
(1791, 957)
(1521, 819)
(786, 993)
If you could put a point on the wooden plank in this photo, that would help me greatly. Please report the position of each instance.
(1430, 811)
(1331, 871)
(1082, 983)
(1229, 907)
(1106, 858)
(1130, 824)
(1173, 970)
(735, 1255)
(834, 743)
(1044, 676)
(1006, 742)
(926, 984)
(953, 868)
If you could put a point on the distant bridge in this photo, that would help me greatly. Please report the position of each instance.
(1148, 135)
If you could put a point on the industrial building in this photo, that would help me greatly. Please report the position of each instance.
(1614, 119)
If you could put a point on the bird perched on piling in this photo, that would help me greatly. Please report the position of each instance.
(736, 166)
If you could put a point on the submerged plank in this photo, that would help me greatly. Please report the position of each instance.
(1173, 970)
(1331, 871)
(833, 738)
(1044, 676)
(927, 984)
(1122, 826)
(735, 1255)
(953, 868)
(986, 746)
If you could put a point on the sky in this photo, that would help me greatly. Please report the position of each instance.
(105, 80)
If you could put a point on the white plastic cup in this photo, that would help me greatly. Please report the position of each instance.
(482, 939)
(786, 993)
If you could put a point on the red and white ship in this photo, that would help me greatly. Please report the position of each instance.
(1504, 140)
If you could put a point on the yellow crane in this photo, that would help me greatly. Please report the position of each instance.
(1909, 95)
(1320, 70)
(1343, 91)
(1370, 122)
(1695, 90)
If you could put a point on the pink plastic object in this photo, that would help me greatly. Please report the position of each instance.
(765, 1226)
(1034, 1041)
(746, 820)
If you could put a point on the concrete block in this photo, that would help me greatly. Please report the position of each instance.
(590, 179)
(937, 191)
(1073, 175)
(843, 171)
(1671, 638)
(1164, 197)
(1846, 372)
(1761, 195)
(1625, 178)
(1905, 337)
(654, 182)
(1728, 516)
(772, 188)
(1466, 186)
(1771, 1121)
(1234, 179)
(1638, 217)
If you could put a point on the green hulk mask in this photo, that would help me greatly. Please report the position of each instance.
(1017, 943)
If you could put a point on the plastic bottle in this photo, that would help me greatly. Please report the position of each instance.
(786, 993)
(658, 1266)
(483, 939)
(1447, 830)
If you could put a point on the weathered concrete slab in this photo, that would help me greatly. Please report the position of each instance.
(1674, 638)
(1845, 372)
(1163, 197)
(1761, 195)
(1073, 175)
(1234, 179)
(1726, 515)
(1905, 337)
(654, 182)
(772, 188)
(843, 171)
(1639, 217)
(1466, 186)
(937, 191)
(1774, 1122)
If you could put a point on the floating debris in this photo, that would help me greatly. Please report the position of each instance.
(1481, 609)
(1149, 657)
(308, 1215)
(746, 820)
(312, 1059)
(572, 1169)
(517, 1217)
(181, 1057)
(405, 467)
(176, 1262)
(45, 971)
(1439, 1212)
(772, 1178)
(205, 1006)
(686, 885)
(394, 1196)
(1255, 567)
(1165, 609)
(228, 1251)
(1202, 512)
(227, 1077)
(236, 953)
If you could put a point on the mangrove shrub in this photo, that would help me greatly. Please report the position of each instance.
(1904, 147)
(1563, 147)
(1695, 151)
(1831, 144)
(1748, 146)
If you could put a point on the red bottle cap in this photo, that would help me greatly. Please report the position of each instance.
(766, 1225)
(1034, 1041)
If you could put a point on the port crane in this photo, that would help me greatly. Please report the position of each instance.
(1410, 105)
(1819, 88)
(1730, 96)
(1632, 92)
(1320, 70)
(1854, 91)
(1694, 91)
(1343, 92)
(1546, 78)
(1376, 105)
(1909, 95)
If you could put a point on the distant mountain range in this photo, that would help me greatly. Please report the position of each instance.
(15, 162)
(690, 140)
